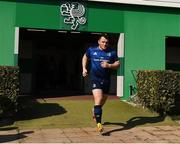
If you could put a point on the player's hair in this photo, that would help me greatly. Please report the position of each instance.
(105, 35)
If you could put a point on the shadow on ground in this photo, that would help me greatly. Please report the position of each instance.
(5, 122)
(32, 109)
(133, 122)
(13, 137)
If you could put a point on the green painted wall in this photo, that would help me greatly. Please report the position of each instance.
(7, 23)
(105, 18)
(37, 15)
(145, 33)
(41, 15)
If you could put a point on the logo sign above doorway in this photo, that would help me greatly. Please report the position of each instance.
(73, 13)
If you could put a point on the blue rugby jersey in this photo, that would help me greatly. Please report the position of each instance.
(96, 56)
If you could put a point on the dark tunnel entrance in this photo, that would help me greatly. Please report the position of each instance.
(50, 61)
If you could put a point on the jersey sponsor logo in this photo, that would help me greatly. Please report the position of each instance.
(100, 60)
(96, 60)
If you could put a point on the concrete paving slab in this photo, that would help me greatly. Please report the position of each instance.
(162, 134)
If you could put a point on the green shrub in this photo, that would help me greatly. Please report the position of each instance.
(9, 89)
(158, 90)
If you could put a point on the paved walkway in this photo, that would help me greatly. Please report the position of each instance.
(115, 134)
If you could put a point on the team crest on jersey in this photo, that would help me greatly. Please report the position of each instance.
(108, 54)
(73, 13)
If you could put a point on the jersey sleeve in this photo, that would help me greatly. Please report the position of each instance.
(88, 52)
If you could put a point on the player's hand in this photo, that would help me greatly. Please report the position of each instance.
(104, 64)
(84, 73)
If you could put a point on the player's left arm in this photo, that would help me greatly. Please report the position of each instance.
(114, 65)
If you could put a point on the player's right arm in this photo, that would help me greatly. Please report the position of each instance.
(84, 65)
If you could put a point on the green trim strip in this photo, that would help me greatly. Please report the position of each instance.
(15, 59)
(120, 71)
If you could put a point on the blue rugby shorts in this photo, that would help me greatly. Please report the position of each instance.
(103, 84)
